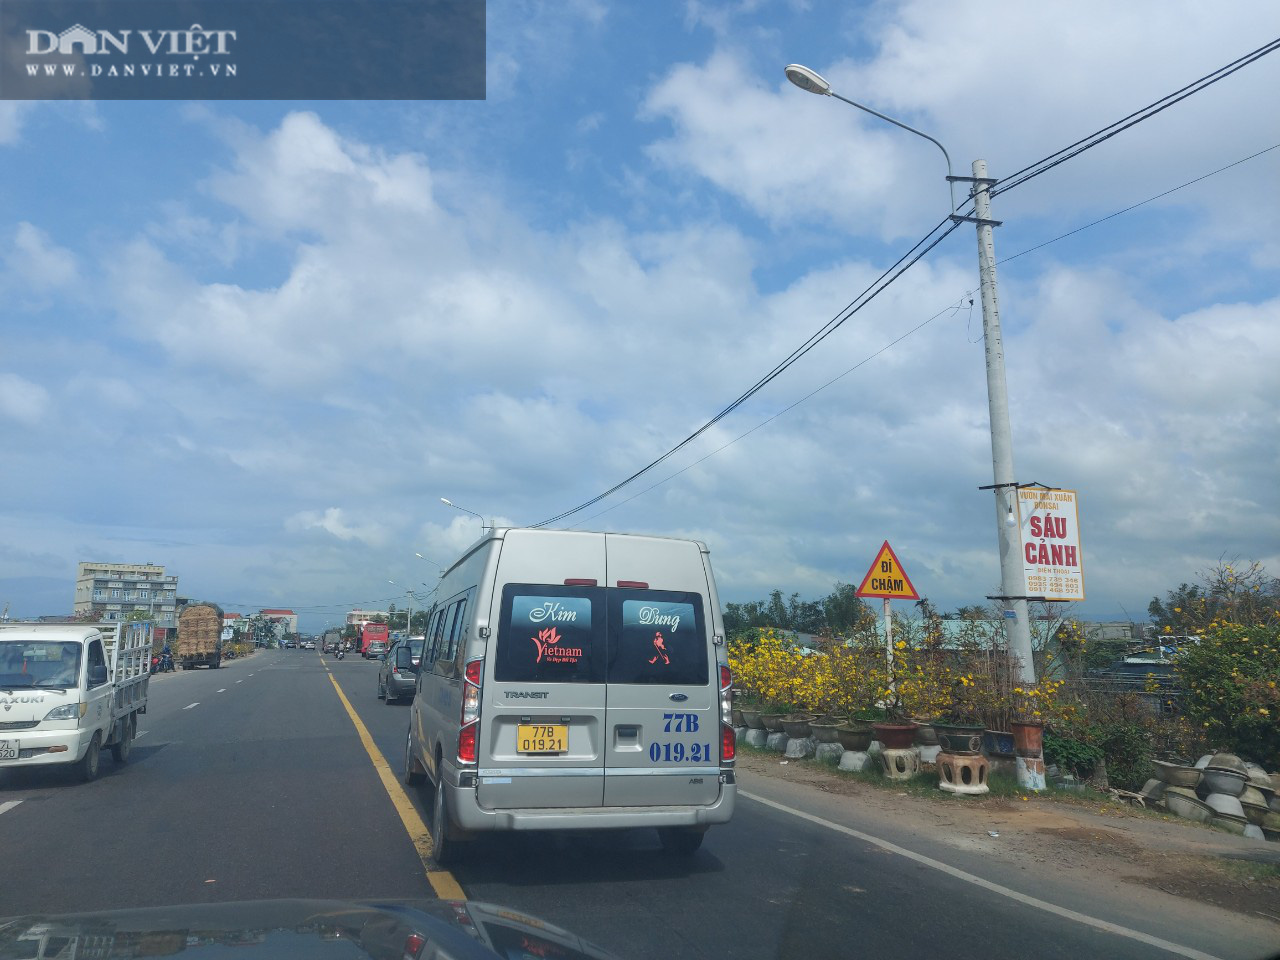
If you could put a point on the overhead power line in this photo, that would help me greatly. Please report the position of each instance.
(928, 242)
(1046, 164)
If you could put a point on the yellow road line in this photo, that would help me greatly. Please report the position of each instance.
(442, 881)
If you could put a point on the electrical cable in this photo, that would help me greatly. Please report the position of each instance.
(1045, 164)
(954, 308)
(877, 286)
(1134, 206)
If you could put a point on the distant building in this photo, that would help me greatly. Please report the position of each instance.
(112, 591)
(355, 617)
(287, 620)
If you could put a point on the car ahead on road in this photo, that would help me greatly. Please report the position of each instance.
(397, 673)
(575, 680)
(308, 645)
(291, 644)
(377, 648)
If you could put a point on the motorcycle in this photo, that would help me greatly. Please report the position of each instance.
(340, 655)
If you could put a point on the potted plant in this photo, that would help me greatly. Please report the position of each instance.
(852, 667)
(960, 731)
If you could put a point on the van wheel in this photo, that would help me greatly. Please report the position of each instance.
(90, 763)
(443, 850)
(412, 776)
(681, 841)
(120, 751)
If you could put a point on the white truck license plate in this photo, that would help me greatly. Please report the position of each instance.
(9, 749)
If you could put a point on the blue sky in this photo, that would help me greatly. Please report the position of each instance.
(257, 342)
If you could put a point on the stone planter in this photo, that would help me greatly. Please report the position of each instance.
(1225, 805)
(752, 719)
(856, 737)
(998, 743)
(772, 721)
(959, 739)
(926, 735)
(1256, 814)
(1183, 802)
(895, 736)
(1176, 775)
(1222, 781)
(825, 732)
(738, 719)
(796, 725)
(1028, 738)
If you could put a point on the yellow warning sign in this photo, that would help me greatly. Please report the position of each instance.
(886, 578)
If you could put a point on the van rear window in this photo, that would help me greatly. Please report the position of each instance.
(658, 637)
(551, 634)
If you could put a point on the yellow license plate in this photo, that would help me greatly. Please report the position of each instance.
(542, 737)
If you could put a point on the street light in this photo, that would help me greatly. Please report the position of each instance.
(813, 82)
(1012, 585)
(450, 503)
(408, 624)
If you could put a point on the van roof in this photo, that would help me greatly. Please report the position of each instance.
(500, 533)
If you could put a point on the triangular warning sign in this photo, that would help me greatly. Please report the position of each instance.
(886, 578)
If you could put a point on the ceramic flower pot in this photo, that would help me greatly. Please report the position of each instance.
(752, 719)
(854, 736)
(1224, 805)
(926, 734)
(825, 732)
(738, 719)
(998, 743)
(1028, 738)
(1222, 781)
(960, 739)
(796, 725)
(895, 736)
(772, 721)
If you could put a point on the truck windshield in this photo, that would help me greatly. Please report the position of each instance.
(39, 663)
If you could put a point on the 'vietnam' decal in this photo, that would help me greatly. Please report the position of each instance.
(548, 643)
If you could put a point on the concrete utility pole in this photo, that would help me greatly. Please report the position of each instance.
(1012, 583)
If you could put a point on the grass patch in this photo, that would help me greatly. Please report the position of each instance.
(1250, 871)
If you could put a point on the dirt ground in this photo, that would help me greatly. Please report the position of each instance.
(1143, 847)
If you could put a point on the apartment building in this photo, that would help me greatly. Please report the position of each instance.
(112, 591)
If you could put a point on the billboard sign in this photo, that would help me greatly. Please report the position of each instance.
(1052, 564)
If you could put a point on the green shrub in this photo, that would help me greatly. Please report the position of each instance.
(1229, 678)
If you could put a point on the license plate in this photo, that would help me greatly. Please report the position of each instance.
(9, 749)
(542, 737)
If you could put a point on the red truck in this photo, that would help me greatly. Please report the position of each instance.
(373, 633)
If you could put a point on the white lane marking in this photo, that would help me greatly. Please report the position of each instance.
(251, 674)
(239, 681)
(8, 805)
(140, 734)
(1104, 925)
(223, 690)
(190, 705)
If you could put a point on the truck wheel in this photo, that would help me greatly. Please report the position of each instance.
(120, 751)
(412, 776)
(89, 764)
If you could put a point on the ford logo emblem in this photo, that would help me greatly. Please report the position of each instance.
(679, 697)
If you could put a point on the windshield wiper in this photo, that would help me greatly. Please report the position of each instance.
(53, 685)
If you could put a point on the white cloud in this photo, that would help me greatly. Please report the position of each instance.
(33, 263)
(21, 400)
(333, 521)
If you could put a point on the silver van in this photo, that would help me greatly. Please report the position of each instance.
(574, 680)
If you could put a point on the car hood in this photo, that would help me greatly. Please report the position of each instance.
(431, 930)
(25, 704)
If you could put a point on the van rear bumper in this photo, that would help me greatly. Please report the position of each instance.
(471, 817)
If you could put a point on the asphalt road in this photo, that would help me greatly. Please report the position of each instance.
(250, 782)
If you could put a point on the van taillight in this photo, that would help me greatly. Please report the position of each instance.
(469, 721)
(728, 741)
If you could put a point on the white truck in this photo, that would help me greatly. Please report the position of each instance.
(67, 691)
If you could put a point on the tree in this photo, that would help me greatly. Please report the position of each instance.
(1234, 591)
(846, 613)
